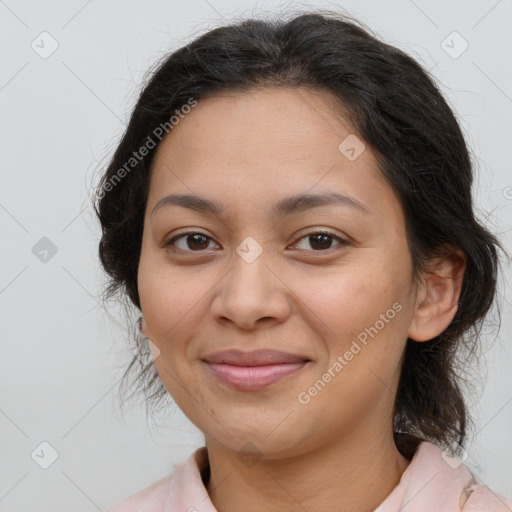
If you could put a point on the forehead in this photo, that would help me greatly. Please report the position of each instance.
(265, 144)
(277, 122)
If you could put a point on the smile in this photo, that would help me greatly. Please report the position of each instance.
(252, 378)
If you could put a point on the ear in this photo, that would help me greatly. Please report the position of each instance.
(437, 296)
(155, 351)
(143, 327)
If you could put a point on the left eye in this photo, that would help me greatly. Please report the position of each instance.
(319, 240)
(195, 242)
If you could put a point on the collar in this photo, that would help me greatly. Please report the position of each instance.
(432, 481)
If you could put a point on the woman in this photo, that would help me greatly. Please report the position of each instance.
(290, 210)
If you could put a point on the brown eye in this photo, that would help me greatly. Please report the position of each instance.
(193, 242)
(321, 240)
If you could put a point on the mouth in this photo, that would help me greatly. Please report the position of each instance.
(252, 371)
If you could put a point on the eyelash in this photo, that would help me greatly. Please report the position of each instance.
(317, 232)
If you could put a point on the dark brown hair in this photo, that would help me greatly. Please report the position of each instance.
(396, 108)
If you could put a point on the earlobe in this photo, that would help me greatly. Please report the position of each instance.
(438, 296)
(142, 326)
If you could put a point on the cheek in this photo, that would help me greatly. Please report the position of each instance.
(169, 301)
(363, 311)
(350, 299)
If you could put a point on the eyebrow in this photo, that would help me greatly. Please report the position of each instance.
(286, 206)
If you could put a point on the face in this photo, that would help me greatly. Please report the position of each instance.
(326, 282)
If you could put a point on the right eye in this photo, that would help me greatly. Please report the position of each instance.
(193, 241)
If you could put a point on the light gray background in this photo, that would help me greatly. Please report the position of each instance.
(61, 117)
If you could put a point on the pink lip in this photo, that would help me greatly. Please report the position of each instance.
(250, 371)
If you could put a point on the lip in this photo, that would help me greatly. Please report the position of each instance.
(254, 370)
(259, 357)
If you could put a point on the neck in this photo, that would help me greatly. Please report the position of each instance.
(341, 475)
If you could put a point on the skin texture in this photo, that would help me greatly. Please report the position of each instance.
(249, 150)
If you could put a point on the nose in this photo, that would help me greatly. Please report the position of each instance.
(251, 294)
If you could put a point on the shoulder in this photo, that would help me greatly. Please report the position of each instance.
(146, 499)
(474, 496)
(477, 498)
(184, 485)
(435, 481)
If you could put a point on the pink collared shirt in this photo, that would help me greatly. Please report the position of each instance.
(430, 483)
